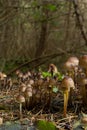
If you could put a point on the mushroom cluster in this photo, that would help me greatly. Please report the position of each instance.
(5, 82)
(77, 69)
(37, 89)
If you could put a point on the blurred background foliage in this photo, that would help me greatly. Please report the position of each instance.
(33, 28)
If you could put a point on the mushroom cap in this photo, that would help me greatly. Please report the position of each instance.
(20, 75)
(83, 81)
(28, 94)
(29, 89)
(52, 81)
(40, 82)
(22, 87)
(67, 83)
(34, 91)
(83, 61)
(53, 68)
(74, 60)
(24, 77)
(84, 120)
(20, 99)
(31, 81)
(4, 75)
(69, 65)
(29, 73)
(17, 72)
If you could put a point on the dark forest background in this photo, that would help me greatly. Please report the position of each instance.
(30, 29)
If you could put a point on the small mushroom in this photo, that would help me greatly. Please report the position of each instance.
(71, 66)
(52, 69)
(17, 72)
(22, 87)
(3, 79)
(68, 66)
(28, 94)
(66, 84)
(53, 81)
(20, 76)
(31, 81)
(40, 82)
(28, 89)
(74, 60)
(83, 62)
(84, 122)
(9, 83)
(20, 99)
(83, 90)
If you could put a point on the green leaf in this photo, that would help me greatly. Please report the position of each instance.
(45, 125)
(60, 76)
(55, 89)
(46, 74)
(51, 7)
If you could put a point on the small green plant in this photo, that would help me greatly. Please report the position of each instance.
(46, 74)
(45, 125)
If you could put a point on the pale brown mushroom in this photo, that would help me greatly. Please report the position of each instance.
(83, 62)
(66, 84)
(71, 66)
(40, 82)
(20, 99)
(28, 94)
(83, 90)
(84, 122)
(52, 69)
(22, 87)
(31, 82)
(74, 60)
(68, 66)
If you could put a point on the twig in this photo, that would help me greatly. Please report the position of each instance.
(38, 113)
(67, 118)
(34, 60)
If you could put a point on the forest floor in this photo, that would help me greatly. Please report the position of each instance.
(9, 112)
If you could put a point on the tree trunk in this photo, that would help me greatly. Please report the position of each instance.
(41, 42)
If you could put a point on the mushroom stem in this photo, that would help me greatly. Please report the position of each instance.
(85, 128)
(28, 100)
(66, 96)
(86, 72)
(84, 95)
(20, 110)
(70, 97)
